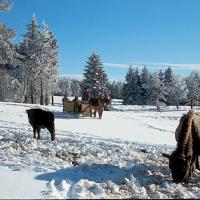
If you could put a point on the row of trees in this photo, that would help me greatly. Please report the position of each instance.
(28, 69)
(166, 88)
(139, 88)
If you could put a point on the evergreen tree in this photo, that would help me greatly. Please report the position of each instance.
(48, 63)
(41, 62)
(169, 83)
(193, 85)
(10, 87)
(158, 90)
(95, 77)
(76, 87)
(115, 89)
(145, 87)
(8, 54)
(30, 47)
(132, 87)
(178, 91)
(127, 86)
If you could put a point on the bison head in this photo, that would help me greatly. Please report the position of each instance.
(180, 167)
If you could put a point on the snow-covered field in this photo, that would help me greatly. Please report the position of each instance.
(118, 156)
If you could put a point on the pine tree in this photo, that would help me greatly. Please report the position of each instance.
(48, 63)
(115, 89)
(10, 87)
(132, 87)
(30, 47)
(193, 85)
(8, 54)
(75, 87)
(178, 91)
(95, 77)
(158, 90)
(145, 87)
(127, 86)
(169, 83)
(41, 62)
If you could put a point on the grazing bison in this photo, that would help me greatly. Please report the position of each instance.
(184, 160)
(41, 119)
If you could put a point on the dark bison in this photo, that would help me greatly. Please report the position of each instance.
(184, 160)
(41, 119)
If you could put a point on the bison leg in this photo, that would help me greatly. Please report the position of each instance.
(34, 132)
(197, 163)
(193, 165)
(52, 131)
(38, 133)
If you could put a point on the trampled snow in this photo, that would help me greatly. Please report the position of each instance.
(118, 156)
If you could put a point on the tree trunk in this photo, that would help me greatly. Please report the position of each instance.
(32, 99)
(41, 99)
(41, 95)
(25, 99)
(191, 104)
(52, 100)
(177, 105)
(157, 105)
(46, 100)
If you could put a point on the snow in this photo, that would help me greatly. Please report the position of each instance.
(118, 156)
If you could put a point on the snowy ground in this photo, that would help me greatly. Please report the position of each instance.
(119, 156)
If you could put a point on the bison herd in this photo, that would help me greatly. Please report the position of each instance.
(182, 162)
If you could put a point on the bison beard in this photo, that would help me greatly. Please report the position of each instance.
(41, 119)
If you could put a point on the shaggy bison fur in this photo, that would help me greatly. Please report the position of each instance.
(41, 119)
(184, 160)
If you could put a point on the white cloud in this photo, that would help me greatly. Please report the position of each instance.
(154, 65)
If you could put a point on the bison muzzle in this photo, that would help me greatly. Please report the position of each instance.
(41, 119)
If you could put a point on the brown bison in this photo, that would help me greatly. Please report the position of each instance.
(184, 160)
(41, 119)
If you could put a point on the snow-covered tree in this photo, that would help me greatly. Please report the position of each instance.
(10, 87)
(158, 90)
(95, 77)
(68, 86)
(41, 62)
(115, 88)
(48, 64)
(75, 87)
(8, 55)
(178, 92)
(145, 86)
(30, 48)
(169, 81)
(132, 87)
(127, 86)
(193, 85)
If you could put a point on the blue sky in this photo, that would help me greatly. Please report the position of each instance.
(123, 32)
